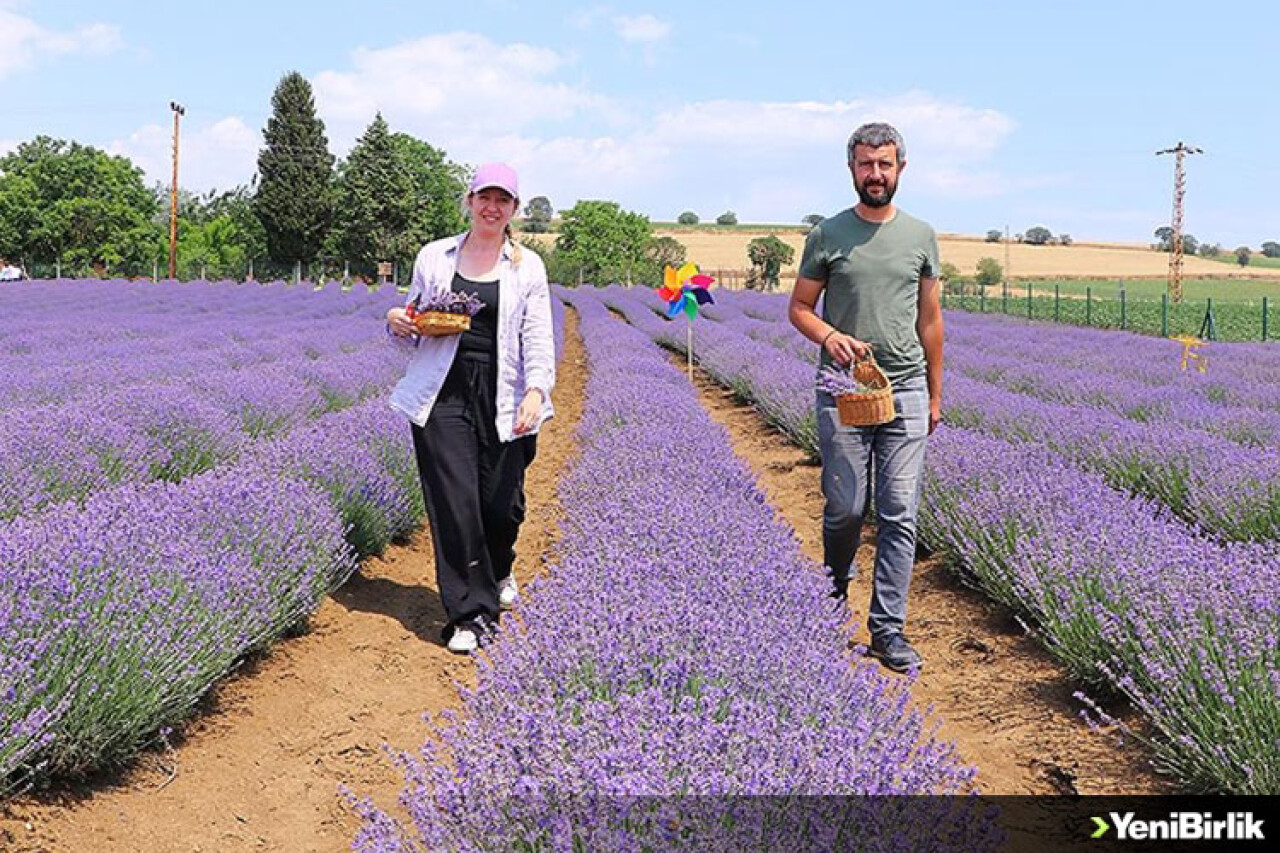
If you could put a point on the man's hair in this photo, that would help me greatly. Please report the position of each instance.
(875, 134)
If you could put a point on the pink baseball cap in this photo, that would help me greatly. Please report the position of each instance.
(498, 175)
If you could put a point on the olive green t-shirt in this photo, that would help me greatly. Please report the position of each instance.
(872, 272)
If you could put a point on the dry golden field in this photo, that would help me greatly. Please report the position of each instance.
(727, 250)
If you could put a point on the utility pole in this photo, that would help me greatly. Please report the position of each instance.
(178, 112)
(1179, 189)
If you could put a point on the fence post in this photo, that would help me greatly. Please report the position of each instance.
(1124, 313)
(1164, 315)
(1057, 303)
(1264, 318)
(982, 299)
(1088, 305)
(1028, 300)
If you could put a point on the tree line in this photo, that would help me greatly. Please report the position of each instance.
(71, 209)
(85, 212)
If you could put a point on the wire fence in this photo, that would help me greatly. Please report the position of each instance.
(1208, 319)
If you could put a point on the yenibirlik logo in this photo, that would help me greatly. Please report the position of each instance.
(1182, 826)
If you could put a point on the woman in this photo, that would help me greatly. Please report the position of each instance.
(476, 401)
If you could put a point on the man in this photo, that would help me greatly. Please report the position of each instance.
(877, 270)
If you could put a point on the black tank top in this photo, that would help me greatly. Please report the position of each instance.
(481, 340)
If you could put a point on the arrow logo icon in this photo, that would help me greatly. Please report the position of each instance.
(1103, 826)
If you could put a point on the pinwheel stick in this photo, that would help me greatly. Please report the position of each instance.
(688, 347)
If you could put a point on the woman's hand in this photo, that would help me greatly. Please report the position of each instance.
(529, 412)
(400, 323)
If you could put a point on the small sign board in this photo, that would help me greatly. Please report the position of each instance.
(384, 269)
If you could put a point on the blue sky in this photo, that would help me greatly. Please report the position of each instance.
(1016, 114)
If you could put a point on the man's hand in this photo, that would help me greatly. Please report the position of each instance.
(843, 348)
(935, 414)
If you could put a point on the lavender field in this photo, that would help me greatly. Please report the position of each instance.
(188, 469)
(1128, 511)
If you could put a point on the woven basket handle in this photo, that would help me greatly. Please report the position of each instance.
(868, 372)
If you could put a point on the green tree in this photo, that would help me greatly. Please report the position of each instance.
(1164, 238)
(438, 188)
(373, 218)
(295, 175)
(812, 219)
(76, 204)
(1243, 255)
(1038, 235)
(1190, 244)
(666, 252)
(1210, 250)
(538, 214)
(687, 218)
(989, 272)
(768, 255)
(727, 218)
(952, 281)
(600, 243)
(1271, 249)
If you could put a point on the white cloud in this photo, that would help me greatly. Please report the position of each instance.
(450, 85)
(26, 43)
(641, 28)
(481, 100)
(217, 156)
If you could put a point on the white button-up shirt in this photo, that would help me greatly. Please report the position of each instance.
(526, 350)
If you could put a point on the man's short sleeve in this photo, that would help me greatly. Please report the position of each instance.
(931, 265)
(813, 262)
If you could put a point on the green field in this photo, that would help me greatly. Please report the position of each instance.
(1195, 289)
(1237, 306)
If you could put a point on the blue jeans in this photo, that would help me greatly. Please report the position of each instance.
(892, 457)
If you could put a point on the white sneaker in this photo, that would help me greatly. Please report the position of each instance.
(463, 640)
(508, 592)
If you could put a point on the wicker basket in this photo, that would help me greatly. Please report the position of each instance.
(868, 408)
(436, 323)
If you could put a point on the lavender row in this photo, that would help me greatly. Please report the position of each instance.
(116, 616)
(171, 430)
(1224, 482)
(1100, 367)
(759, 373)
(1122, 593)
(679, 649)
(1118, 589)
(1227, 489)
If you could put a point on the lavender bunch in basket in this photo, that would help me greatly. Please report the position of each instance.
(450, 302)
(839, 381)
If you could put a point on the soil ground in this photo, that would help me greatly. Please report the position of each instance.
(259, 769)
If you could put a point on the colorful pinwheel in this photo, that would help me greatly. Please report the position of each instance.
(684, 290)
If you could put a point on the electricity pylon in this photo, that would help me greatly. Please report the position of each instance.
(1179, 189)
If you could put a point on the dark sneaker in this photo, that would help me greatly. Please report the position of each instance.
(839, 584)
(895, 653)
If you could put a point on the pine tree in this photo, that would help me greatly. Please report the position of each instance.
(295, 172)
(376, 201)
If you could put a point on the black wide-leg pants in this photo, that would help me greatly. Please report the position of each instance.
(473, 484)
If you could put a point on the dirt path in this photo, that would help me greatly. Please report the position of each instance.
(260, 769)
(1005, 703)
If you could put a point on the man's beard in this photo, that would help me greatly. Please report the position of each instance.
(890, 188)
